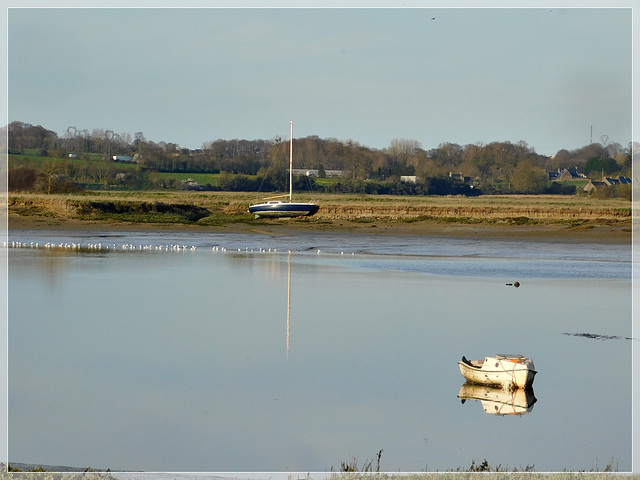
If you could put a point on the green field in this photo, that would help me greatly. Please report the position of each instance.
(86, 160)
(212, 178)
(201, 178)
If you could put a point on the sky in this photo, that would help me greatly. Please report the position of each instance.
(555, 78)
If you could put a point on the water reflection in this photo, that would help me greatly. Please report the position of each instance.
(288, 301)
(190, 345)
(499, 401)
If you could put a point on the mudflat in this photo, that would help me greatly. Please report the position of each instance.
(570, 219)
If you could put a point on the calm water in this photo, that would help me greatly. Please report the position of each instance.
(233, 354)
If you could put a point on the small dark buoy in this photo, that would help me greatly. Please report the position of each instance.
(515, 284)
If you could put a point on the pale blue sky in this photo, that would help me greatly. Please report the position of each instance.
(189, 76)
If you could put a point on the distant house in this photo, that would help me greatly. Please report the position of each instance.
(122, 158)
(569, 174)
(460, 177)
(625, 180)
(305, 172)
(408, 179)
(310, 172)
(593, 185)
(617, 181)
(611, 181)
(606, 182)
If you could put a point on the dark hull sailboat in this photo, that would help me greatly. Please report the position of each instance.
(283, 209)
(280, 209)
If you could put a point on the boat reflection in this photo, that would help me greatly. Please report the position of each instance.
(499, 401)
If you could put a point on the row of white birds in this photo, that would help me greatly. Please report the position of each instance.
(72, 246)
(99, 247)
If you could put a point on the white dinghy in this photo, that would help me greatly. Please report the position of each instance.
(510, 371)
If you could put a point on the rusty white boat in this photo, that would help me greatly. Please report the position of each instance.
(498, 401)
(510, 371)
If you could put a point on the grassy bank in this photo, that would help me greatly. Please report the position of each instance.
(516, 213)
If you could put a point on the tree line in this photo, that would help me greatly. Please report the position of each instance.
(261, 165)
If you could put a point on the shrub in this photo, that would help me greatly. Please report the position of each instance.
(22, 179)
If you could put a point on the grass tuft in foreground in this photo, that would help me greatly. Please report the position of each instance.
(352, 471)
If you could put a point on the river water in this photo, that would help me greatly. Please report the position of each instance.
(192, 352)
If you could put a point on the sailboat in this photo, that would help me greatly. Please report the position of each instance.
(279, 208)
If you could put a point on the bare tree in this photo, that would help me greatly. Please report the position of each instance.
(403, 147)
(50, 168)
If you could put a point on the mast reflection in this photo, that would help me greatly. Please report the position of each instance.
(288, 302)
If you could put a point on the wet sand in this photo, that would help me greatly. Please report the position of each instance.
(615, 234)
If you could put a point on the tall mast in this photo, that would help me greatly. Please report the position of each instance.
(291, 165)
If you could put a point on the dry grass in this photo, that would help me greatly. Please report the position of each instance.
(531, 214)
(534, 206)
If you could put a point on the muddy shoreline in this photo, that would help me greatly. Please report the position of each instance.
(615, 234)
